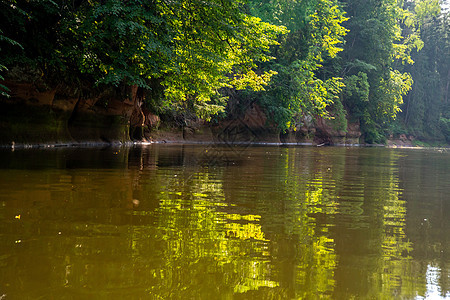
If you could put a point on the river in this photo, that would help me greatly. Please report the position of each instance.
(224, 222)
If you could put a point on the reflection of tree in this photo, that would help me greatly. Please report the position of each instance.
(278, 223)
(289, 197)
(425, 179)
(200, 237)
(371, 242)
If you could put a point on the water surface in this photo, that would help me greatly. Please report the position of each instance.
(208, 222)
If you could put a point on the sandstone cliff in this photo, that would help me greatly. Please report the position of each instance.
(35, 114)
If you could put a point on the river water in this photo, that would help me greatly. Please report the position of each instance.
(210, 222)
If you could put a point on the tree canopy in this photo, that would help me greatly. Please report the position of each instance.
(347, 61)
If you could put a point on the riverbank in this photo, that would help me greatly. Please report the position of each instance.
(96, 144)
(42, 118)
(32, 137)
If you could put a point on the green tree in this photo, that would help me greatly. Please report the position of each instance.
(3, 89)
(188, 48)
(118, 42)
(374, 88)
(217, 46)
(316, 32)
(426, 107)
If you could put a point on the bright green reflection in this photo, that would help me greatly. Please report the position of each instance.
(169, 222)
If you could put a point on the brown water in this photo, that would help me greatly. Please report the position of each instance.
(198, 222)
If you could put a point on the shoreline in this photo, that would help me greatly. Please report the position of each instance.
(98, 144)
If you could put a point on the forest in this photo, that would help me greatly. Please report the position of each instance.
(383, 64)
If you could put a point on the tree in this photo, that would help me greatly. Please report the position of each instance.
(217, 46)
(425, 109)
(316, 32)
(374, 88)
(4, 89)
(188, 48)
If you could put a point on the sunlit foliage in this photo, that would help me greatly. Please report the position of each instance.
(188, 48)
(341, 60)
(316, 32)
(211, 55)
(426, 106)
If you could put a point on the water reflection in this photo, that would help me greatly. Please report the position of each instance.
(191, 222)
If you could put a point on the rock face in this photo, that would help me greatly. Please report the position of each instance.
(353, 136)
(35, 115)
(252, 127)
(401, 141)
(326, 134)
